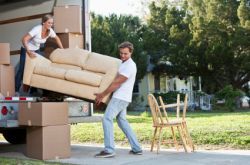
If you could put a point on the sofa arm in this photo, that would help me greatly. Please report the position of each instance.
(107, 79)
(30, 64)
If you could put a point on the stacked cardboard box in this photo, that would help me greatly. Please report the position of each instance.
(68, 19)
(68, 26)
(48, 132)
(7, 73)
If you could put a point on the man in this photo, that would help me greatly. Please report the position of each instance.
(122, 86)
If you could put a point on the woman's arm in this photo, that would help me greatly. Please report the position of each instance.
(59, 43)
(25, 41)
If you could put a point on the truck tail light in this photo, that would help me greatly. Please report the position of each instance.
(4, 110)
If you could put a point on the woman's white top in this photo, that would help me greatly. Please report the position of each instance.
(36, 40)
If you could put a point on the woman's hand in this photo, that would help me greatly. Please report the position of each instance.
(31, 54)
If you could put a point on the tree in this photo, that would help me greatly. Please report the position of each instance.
(244, 13)
(208, 38)
(217, 34)
(108, 32)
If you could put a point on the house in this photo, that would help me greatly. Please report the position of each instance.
(163, 83)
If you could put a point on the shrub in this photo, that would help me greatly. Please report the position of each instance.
(230, 96)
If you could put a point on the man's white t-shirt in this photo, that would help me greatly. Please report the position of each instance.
(36, 40)
(127, 69)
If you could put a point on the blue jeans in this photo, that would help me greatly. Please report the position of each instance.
(19, 74)
(117, 108)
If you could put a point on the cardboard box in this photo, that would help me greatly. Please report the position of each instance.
(7, 80)
(51, 142)
(43, 113)
(4, 53)
(69, 40)
(68, 19)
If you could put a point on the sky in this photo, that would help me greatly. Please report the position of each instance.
(107, 7)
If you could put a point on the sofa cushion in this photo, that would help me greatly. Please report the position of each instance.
(76, 57)
(101, 63)
(50, 71)
(66, 66)
(83, 77)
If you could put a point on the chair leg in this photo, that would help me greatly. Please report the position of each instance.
(182, 138)
(184, 134)
(159, 140)
(174, 138)
(153, 140)
(189, 138)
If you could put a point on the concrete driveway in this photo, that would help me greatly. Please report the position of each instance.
(84, 154)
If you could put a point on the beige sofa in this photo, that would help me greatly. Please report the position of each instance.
(75, 72)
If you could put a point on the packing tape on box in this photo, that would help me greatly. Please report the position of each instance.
(29, 122)
(29, 105)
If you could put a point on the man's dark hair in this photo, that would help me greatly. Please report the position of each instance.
(128, 45)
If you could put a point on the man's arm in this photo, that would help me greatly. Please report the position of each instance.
(113, 86)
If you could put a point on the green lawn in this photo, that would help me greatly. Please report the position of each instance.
(209, 130)
(13, 161)
(214, 130)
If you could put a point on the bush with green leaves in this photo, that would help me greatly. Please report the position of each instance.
(230, 96)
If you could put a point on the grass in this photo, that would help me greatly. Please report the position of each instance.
(216, 130)
(209, 130)
(13, 161)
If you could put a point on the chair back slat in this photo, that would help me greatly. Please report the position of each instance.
(163, 108)
(185, 107)
(178, 106)
(155, 110)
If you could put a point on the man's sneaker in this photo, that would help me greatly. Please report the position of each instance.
(135, 152)
(104, 154)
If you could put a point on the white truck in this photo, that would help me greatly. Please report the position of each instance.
(16, 18)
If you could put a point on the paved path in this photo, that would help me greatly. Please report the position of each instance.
(84, 154)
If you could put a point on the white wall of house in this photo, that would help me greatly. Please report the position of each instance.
(176, 84)
(147, 85)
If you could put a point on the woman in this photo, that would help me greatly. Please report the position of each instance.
(32, 42)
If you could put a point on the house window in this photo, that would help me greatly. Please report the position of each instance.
(157, 83)
(175, 85)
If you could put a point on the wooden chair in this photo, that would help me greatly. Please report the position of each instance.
(182, 119)
(161, 120)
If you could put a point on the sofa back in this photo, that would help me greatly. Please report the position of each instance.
(89, 61)
(75, 56)
(101, 63)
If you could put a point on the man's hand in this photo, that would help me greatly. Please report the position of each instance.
(31, 54)
(99, 97)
